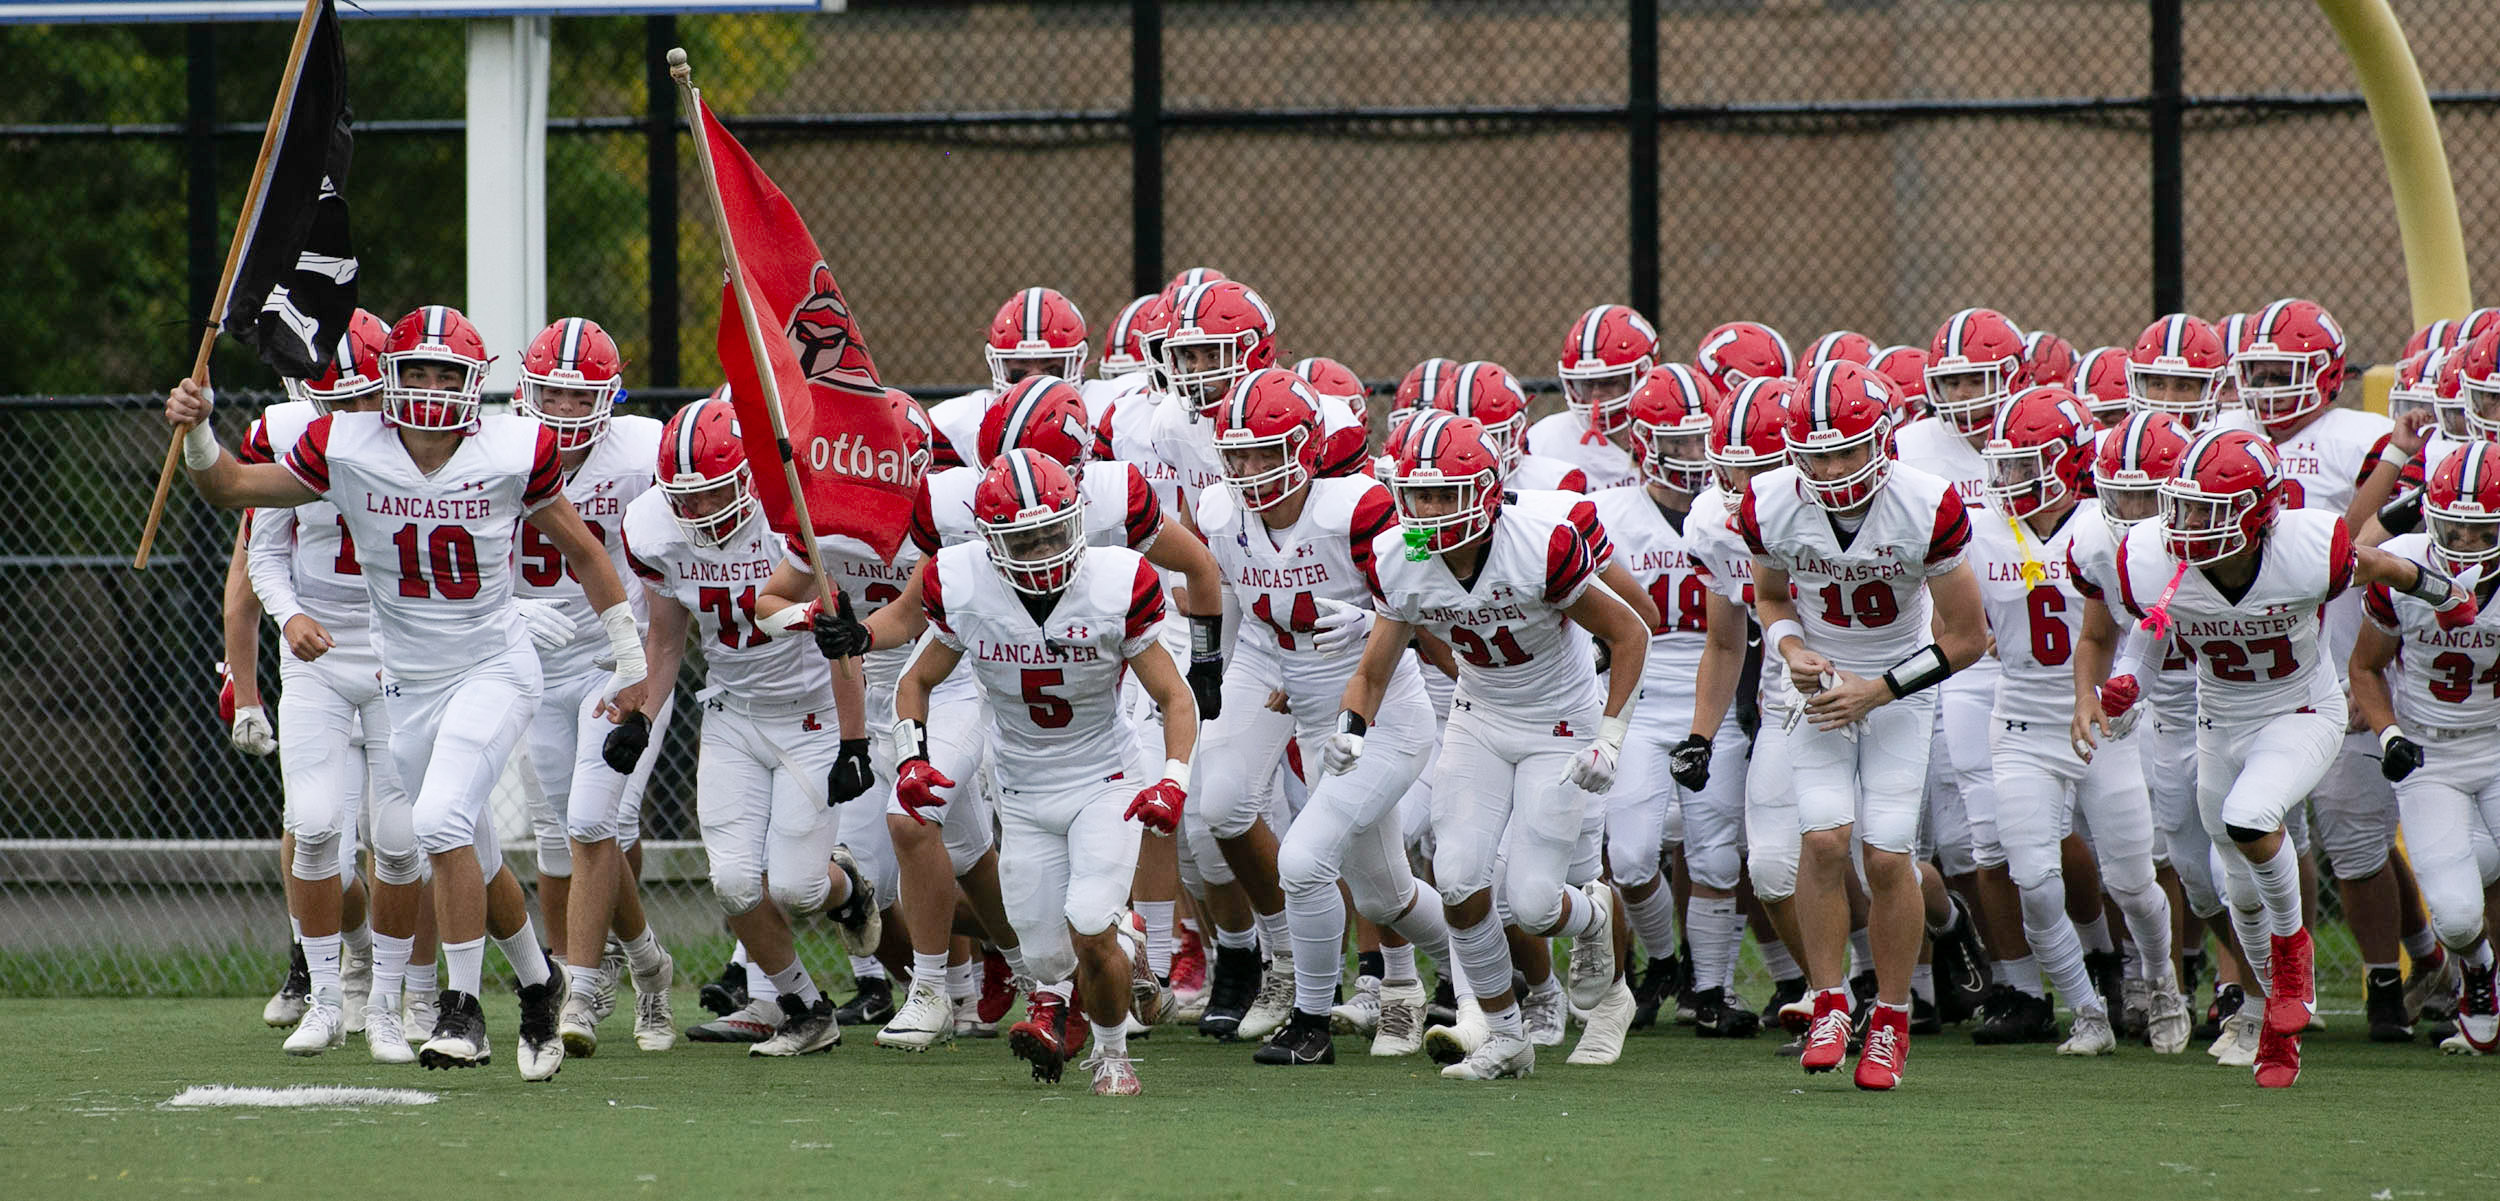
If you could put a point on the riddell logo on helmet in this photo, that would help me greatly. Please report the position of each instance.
(846, 455)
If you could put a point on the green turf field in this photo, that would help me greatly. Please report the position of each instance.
(81, 1083)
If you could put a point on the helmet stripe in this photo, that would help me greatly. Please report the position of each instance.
(1592, 324)
(1032, 314)
(2173, 330)
(570, 353)
(1028, 492)
(2470, 480)
(2266, 319)
(1953, 333)
(434, 323)
(1021, 414)
(692, 417)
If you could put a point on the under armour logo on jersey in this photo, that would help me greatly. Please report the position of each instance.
(1076, 633)
(471, 486)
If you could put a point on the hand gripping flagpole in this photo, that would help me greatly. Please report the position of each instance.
(225, 282)
(684, 75)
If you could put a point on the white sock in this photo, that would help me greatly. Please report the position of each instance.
(294, 930)
(1652, 919)
(963, 979)
(466, 964)
(2024, 974)
(390, 970)
(1923, 982)
(1274, 935)
(1159, 936)
(423, 980)
(929, 969)
(1238, 940)
(644, 954)
(1398, 962)
(760, 984)
(1015, 960)
(2095, 933)
(1777, 960)
(2480, 955)
(1580, 918)
(321, 957)
(1504, 1022)
(793, 981)
(2278, 885)
(528, 959)
(1861, 953)
(1111, 1041)
(1716, 931)
(1483, 957)
(584, 979)
(867, 968)
(2421, 943)
(358, 941)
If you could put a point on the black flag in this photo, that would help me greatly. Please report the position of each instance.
(295, 286)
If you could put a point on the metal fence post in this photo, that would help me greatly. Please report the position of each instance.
(1641, 118)
(1145, 152)
(2168, 101)
(660, 166)
(200, 174)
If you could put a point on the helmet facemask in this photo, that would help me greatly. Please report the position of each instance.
(1841, 474)
(540, 395)
(1037, 549)
(2020, 478)
(711, 509)
(1602, 395)
(2277, 386)
(1264, 472)
(2463, 534)
(1968, 397)
(1010, 367)
(2202, 528)
(2186, 393)
(432, 406)
(1675, 457)
(1202, 368)
(1450, 513)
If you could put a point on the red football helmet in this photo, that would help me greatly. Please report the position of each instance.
(1670, 415)
(2234, 332)
(1037, 332)
(2048, 359)
(2221, 498)
(2293, 363)
(1033, 519)
(1490, 396)
(2438, 335)
(2477, 385)
(1742, 350)
(1156, 321)
(1838, 344)
(2177, 367)
(1604, 356)
(1328, 377)
(1219, 333)
(1041, 412)
(433, 336)
(1267, 435)
(572, 355)
(2101, 379)
(2128, 467)
(2415, 388)
(1906, 367)
(1448, 482)
(1840, 435)
(703, 471)
(1123, 352)
(1424, 386)
(1974, 366)
(2039, 451)
(918, 434)
(1749, 431)
(2477, 323)
(354, 370)
(2462, 503)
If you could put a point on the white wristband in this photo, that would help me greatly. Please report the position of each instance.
(1781, 631)
(200, 450)
(1613, 730)
(2388, 735)
(2395, 458)
(1177, 771)
(624, 642)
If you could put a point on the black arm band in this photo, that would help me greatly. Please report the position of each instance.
(1925, 668)
(2430, 586)
(1351, 722)
(2402, 515)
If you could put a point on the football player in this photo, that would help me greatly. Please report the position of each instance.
(1605, 355)
(1037, 332)
(1490, 396)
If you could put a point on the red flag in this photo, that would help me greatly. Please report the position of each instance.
(847, 443)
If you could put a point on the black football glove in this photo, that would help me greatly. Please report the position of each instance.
(1689, 763)
(626, 742)
(852, 773)
(2398, 757)
(839, 635)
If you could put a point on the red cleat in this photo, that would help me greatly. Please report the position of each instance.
(2278, 1056)
(998, 989)
(1189, 962)
(1827, 1041)
(1887, 1049)
(1043, 1038)
(2291, 990)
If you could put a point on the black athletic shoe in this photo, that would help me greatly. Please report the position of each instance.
(2384, 1001)
(1443, 1009)
(1714, 1016)
(542, 1055)
(2227, 1001)
(1232, 983)
(2108, 971)
(2004, 1018)
(1923, 1017)
(1861, 1007)
(1782, 993)
(459, 1034)
(1961, 965)
(1302, 1039)
(873, 1005)
(726, 993)
(1661, 979)
(2192, 966)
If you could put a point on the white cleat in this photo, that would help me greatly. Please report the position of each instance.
(1541, 1014)
(541, 1047)
(1360, 1015)
(323, 1028)
(1502, 1057)
(355, 987)
(1114, 1075)
(927, 1019)
(598, 997)
(1401, 1027)
(1593, 958)
(613, 967)
(655, 1024)
(417, 1020)
(580, 1026)
(2168, 1023)
(384, 1037)
(1274, 1002)
(2091, 1036)
(752, 1024)
(1449, 1044)
(1601, 1038)
(2237, 1048)
(805, 1029)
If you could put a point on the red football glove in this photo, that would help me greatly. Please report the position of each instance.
(2119, 695)
(1158, 806)
(916, 788)
(2457, 613)
(225, 697)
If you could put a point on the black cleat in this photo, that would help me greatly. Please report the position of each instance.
(1783, 992)
(2108, 971)
(726, 993)
(805, 1029)
(873, 1005)
(1923, 1018)
(542, 1055)
(1232, 983)
(1443, 1008)
(459, 1034)
(2192, 965)
(1961, 965)
(2227, 1001)
(2013, 1016)
(1715, 1016)
(2384, 993)
(1660, 980)
(1302, 1039)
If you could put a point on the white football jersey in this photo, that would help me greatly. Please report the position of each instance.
(1932, 446)
(1120, 507)
(1536, 473)
(2168, 682)
(957, 420)
(301, 559)
(1125, 431)
(1185, 443)
(2262, 655)
(1519, 656)
(1862, 602)
(1278, 577)
(2324, 461)
(1103, 395)
(2442, 679)
(717, 586)
(619, 467)
(2036, 624)
(872, 583)
(1053, 685)
(1566, 436)
(436, 550)
(1725, 566)
(1663, 557)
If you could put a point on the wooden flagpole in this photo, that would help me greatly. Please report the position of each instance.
(684, 75)
(234, 257)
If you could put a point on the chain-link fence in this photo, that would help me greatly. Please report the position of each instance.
(1456, 177)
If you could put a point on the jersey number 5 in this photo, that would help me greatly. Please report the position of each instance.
(1047, 711)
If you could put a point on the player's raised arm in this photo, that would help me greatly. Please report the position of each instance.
(221, 479)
